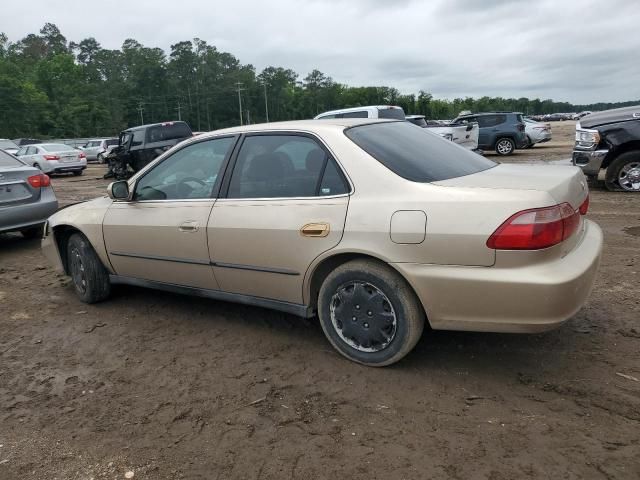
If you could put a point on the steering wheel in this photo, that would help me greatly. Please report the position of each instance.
(182, 186)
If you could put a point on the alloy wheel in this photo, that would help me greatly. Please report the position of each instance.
(77, 271)
(629, 177)
(504, 147)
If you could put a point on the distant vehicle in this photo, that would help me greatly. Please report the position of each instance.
(610, 141)
(138, 146)
(26, 197)
(8, 146)
(578, 116)
(374, 225)
(375, 111)
(536, 132)
(26, 141)
(95, 149)
(464, 135)
(54, 158)
(499, 131)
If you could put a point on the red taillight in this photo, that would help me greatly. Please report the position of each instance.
(51, 157)
(40, 180)
(82, 155)
(536, 228)
(584, 208)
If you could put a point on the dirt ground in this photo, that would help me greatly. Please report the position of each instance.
(164, 386)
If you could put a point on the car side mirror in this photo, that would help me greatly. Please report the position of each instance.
(118, 190)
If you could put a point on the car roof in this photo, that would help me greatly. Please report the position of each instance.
(409, 117)
(359, 109)
(487, 113)
(47, 144)
(299, 125)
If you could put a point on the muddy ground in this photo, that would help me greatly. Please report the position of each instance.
(166, 386)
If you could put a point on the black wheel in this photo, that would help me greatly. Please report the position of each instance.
(369, 313)
(624, 173)
(32, 232)
(77, 173)
(505, 146)
(89, 276)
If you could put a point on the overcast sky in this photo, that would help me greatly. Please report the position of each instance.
(580, 51)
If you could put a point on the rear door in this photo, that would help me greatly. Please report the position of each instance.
(286, 203)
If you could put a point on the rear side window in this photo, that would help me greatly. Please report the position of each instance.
(491, 120)
(284, 166)
(113, 141)
(416, 154)
(396, 113)
(358, 114)
(7, 160)
(170, 131)
(138, 138)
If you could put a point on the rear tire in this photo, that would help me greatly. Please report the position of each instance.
(622, 170)
(90, 278)
(505, 146)
(389, 318)
(78, 173)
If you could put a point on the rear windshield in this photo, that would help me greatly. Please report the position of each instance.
(168, 132)
(56, 147)
(7, 160)
(396, 113)
(7, 144)
(415, 153)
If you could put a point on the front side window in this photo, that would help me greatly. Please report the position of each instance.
(284, 166)
(138, 138)
(414, 154)
(190, 173)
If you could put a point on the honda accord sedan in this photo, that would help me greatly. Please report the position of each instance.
(375, 226)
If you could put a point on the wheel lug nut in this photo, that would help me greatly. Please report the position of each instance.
(366, 325)
(357, 307)
(353, 318)
(369, 313)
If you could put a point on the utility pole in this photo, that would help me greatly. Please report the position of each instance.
(248, 117)
(140, 109)
(239, 84)
(266, 105)
(179, 110)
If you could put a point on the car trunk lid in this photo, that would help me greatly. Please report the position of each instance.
(15, 188)
(563, 183)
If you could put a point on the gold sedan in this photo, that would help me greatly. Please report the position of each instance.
(375, 226)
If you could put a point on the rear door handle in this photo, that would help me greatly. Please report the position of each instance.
(315, 230)
(190, 226)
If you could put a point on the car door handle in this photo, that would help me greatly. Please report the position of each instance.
(190, 226)
(315, 230)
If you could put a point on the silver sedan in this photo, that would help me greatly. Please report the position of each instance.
(26, 197)
(54, 158)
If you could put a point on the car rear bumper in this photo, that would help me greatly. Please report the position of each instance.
(589, 161)
(28, 215)
(527, 299)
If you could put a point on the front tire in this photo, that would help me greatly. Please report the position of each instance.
(505, 146)
(624, 173)
(90, 278)
(369, 313)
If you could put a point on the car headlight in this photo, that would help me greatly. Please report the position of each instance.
(586, 139)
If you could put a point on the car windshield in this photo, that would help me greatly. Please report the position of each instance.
(415, 153)
(7, 144)
(7, 160)
(56, 147)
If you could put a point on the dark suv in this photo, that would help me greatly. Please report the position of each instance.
(137, 146)
(499, 131)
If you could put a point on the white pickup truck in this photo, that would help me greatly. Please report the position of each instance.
(464, 135)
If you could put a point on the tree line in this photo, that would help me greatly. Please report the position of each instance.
(53, 88)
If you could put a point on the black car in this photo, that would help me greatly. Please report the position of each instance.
(499, 131)
(610, 141)
(138, 146)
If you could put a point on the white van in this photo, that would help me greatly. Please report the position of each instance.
(375, 111)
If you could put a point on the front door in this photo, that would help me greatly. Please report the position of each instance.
(161, 234)
(286, 203)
